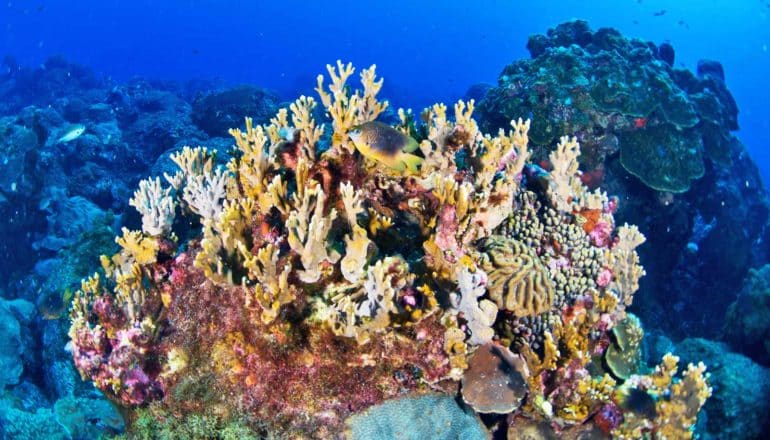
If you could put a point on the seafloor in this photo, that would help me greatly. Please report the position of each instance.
(578, 251)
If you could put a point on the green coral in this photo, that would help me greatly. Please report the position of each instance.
(664, 157)
(624, 355)
(154, 423)
(23, 425)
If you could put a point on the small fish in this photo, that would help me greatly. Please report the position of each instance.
(639, 402)
(73, 133)
(53, 306)
(386, 145)
(660, 13)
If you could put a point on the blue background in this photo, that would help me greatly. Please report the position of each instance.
(427, 51)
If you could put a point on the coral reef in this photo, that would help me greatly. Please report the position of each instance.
(326, 280)
(661, 139)
(654, 114)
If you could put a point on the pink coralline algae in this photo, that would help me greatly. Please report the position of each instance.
(604, 278)
(601, 234)
(116, 365)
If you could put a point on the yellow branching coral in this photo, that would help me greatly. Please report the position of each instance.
(677, 401)
(345, 110)
(624, 261)
(136, 248)
(464, 119)
(357, 243)
(504, 152)
(255, 163)
(566, 190)
(156, 205)
(538, 364)
(90, 288)
(272, 289)
(590, 393)
(358, 311)
(565, 186)
(127, 269)
(457, 349)
(191, 162)
(378, 222)
(224, 247)
(679, 412)
(308, 228)
(452, 225)
(302, 119)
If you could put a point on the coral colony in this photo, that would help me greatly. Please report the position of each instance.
(340, 283)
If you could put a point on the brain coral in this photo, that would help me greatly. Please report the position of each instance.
(518, 281)
(324, 281)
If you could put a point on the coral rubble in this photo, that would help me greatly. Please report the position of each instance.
(328, 280)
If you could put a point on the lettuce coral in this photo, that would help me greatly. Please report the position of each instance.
(323, 282)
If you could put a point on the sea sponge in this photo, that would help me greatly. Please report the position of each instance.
(495, 381)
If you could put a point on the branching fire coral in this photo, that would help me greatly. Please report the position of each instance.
(324, 282)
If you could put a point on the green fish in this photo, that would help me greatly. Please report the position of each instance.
(73, 133)
(386, 145)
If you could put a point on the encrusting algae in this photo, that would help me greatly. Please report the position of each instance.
(339, 267)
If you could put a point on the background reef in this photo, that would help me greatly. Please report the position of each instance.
(705, 220)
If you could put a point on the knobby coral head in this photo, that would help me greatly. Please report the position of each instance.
(339, 265)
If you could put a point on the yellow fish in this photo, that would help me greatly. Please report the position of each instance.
(386, 145)
(53, 306)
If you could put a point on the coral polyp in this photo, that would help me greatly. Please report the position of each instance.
(327, 279)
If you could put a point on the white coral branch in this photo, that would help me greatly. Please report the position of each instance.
(156, 205)
(205, 193)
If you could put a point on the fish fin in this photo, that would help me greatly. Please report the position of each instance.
(411, 146)
(411, 162)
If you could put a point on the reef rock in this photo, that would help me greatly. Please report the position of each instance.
(740, 403)
(15, 316)
(747, 325)
(217, 112)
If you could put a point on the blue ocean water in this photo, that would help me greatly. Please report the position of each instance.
(428, 52)
(142, 71)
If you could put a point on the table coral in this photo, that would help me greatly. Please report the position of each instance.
(323, 282)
